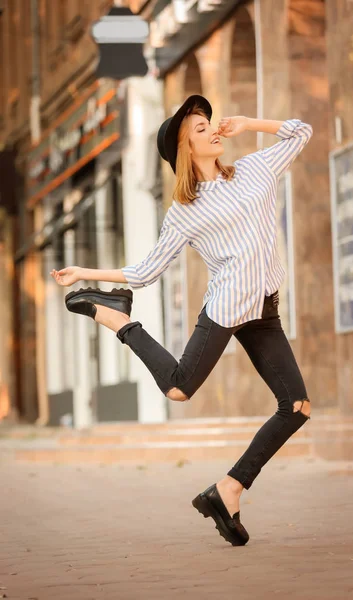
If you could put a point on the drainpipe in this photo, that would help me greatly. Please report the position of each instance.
(39, 298)
(35, 97)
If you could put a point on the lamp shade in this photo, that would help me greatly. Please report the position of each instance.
(120, 36)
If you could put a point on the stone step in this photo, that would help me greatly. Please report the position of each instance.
(179, 435)
(146, 452)
(325, 436)
(20, 432)
(183, 424)
(325, 448)
(197, 424)
(321, 421)
(333, 444)
(133, 427)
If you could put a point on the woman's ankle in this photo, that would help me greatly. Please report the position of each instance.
(111, 318)
(231, 484)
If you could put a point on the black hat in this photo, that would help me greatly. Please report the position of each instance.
(167, 138)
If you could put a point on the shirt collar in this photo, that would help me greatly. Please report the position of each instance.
(210, 185)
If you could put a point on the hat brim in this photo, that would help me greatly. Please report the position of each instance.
(171, 133)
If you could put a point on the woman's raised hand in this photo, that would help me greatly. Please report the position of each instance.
(67, 276)
(232, 126)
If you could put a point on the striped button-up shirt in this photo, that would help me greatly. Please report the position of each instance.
(232, 224)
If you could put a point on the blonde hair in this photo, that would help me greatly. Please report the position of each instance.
(186, 170)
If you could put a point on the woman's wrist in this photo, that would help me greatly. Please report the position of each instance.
(263, 125)
(251, 124)
(108, 275)
(89, 274)
(82, 274)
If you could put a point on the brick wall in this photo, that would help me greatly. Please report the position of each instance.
(67, 55)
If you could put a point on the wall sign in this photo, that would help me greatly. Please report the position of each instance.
(84, 131)
(341, 176)
(120, 36)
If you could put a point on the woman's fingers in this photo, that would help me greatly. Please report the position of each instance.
(224, 126)
(55, 275)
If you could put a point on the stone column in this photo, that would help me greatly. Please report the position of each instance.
(77, 344)
(8, 408)
(106, 259)
(54, 329)
(145, 114)
(41, 358)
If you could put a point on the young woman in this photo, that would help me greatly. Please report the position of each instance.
(227, 213)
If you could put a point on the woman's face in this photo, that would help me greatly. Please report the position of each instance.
(204, 140)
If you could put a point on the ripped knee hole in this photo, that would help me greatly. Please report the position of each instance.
(298, 405)
(176, 394)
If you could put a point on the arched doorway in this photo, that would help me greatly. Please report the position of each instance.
(197, 272)
(309, 91)
(193, 277)
(243, 87)
(192, 80)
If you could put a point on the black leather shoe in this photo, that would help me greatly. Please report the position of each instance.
(210, 504)
(83, 301)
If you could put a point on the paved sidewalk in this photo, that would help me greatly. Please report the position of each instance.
(127, 533)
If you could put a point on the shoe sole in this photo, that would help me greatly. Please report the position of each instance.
(112, 293)
(202, 504)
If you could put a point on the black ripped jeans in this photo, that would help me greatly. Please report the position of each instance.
(268, 349)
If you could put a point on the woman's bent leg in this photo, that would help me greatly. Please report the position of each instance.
(201, 354)
(268, 348)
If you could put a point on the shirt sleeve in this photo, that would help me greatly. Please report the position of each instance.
(294, 136)
(167, 248)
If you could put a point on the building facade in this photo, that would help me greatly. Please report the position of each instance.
(296, 65)
(79, 145)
